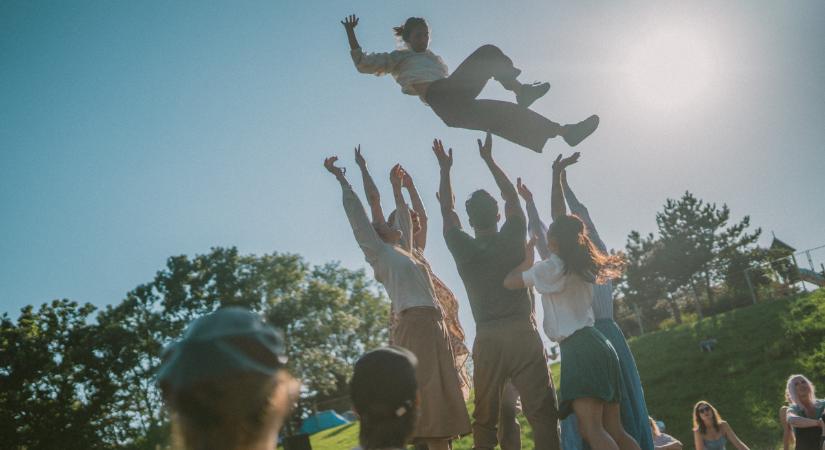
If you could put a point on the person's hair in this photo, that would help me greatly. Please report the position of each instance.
(482, 210)
(790, 389)
(384, 430)
(230, 412)
(654, 427)
(404, 31)
(579, 254)
(384, 393)
(699, 424)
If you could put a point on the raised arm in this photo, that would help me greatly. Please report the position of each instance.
(698, 442)
(577, 208)
(512, 206)
(557, 206)
(370, 190)
(420, 238)
(402, 211)
(369, 241)
(349, 23)
(375, 63)
(445, 188)
(536, 228)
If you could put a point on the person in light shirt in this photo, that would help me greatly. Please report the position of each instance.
(591, 383)
(452, 97)
(420, 329)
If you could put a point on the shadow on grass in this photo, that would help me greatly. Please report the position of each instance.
(341, 429)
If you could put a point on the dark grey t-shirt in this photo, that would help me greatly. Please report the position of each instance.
(484, 262)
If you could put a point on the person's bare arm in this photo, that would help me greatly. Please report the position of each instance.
(370, 190)
(514, 279)
(349, 23)
(512, 205)
(537, 228)
(402, 212)
(557, 206)
(698, 443)
(578, 209)
(788, 438)
(733, 438)
(420, 239)
(797, 421)
(445, 188)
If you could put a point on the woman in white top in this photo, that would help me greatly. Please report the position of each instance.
(452, 97)
(442, 411)
(590, 372)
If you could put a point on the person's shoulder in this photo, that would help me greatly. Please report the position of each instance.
(456, 236)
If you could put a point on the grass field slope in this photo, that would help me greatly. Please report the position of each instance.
(756, 349)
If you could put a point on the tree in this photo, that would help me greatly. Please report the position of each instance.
(643, 285)
(69, 382)
(55, 382)
(699, 245)
(330, 316)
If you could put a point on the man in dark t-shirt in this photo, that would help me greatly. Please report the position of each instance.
(507, 344)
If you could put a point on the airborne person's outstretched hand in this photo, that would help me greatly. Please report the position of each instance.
(350, 22)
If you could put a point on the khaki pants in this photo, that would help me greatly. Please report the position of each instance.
(509, 429)
(512, 349)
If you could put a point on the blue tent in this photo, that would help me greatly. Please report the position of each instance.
(321, 421)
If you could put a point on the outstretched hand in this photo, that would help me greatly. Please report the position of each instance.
(486, 149)
(350, 22)
(523, 190)
(329, 164)
(445, 159)
(562, 163)
(359, 159)
(407, 181)
(397, 174)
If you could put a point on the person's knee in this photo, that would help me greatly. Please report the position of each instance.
(455, 120)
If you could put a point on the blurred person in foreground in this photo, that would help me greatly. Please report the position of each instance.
(225, 384)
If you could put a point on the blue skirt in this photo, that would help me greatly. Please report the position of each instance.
(633, 407)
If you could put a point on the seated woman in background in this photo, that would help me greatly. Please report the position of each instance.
(663, 441)
(803, 415)
(710, 432)
(225, 383)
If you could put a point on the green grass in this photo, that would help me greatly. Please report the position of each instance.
(744, 377)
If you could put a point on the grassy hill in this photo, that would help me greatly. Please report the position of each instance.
(744, 377)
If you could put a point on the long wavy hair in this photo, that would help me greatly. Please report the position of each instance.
(579, 254)
(699, 424)
(790, 389)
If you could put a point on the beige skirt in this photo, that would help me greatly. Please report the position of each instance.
(442, 412)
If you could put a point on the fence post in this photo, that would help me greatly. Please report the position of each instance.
(638, 314)
(750, 285)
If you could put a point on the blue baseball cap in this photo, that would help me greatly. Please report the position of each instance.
(228, 341)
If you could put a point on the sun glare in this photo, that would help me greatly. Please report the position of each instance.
(671, 68)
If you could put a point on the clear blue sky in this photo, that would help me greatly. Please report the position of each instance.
(133, 131)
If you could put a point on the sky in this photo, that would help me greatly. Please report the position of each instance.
(134, 131)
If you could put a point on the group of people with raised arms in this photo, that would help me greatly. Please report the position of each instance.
(225, 382)
(498, 270)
